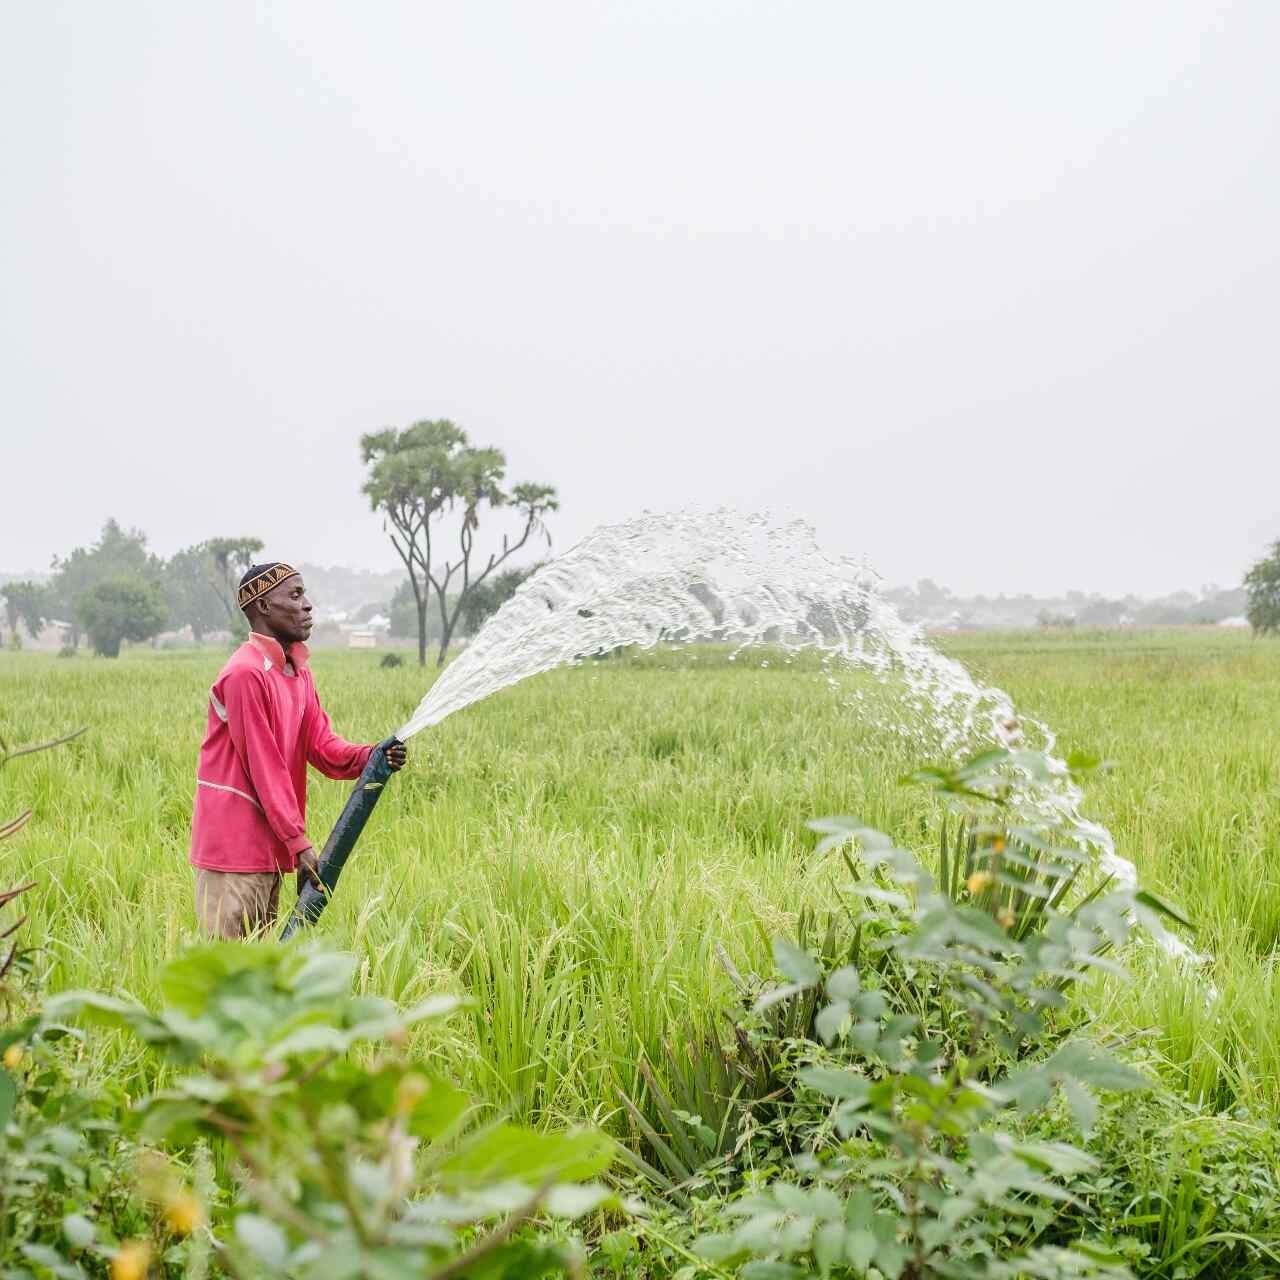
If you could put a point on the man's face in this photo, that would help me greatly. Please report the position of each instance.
(286, 610)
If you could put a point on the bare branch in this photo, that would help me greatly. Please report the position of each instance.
(13, 827)
(14, 753)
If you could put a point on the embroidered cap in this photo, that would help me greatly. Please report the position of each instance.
(262, 578)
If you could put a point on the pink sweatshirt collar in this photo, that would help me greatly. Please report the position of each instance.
(271, 649)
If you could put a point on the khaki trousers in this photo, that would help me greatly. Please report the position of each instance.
(236, 904)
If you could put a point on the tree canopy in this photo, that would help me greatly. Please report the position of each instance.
(1262, 582)
(118, 551)
(119, 608)
(192, 588)
(230, 558)
(26, 602)
(431, 485)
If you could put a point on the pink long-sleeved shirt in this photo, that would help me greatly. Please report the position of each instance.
(265, 727)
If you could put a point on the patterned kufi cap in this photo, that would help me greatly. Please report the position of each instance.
(262, 578)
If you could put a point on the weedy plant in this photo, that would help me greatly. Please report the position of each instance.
(65, 1160)
(343, 1165)
(715, 1090)
(946, 1018)
(347, 1166)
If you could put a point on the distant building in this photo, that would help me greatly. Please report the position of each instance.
(1237, 621)
(363, 639)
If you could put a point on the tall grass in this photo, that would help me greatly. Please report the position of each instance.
(572, 852)
(1191, 721)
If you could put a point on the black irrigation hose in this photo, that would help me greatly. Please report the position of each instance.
(342, 839)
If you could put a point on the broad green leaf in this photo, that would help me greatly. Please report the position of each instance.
(891, 1259)
(1092, 1067)
(1082, 763)
(717, 1248)
(506, 1151)
(794, 963)
(435, 1105)
(519, 1260)
(44, 1256)
(772, 1271)
(312, 1039)
(830, 1020)
(847, 1085)
(873, 893)
(860, 1211)
(108, 1011)
(325, 975)
(1084, 1106)
(844, 984)
(573, 1200)
(871, 1005)
(828, 1246)
(840, 831)
(79, 1231)
(205, 1088)
(859, 1248)
(178, 1123)
(778, 994)
(188, 981)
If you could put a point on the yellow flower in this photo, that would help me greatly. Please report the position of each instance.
(131, 1261)
(997, 845)
(184, 1213)
(978, 881)
(13, 1056)
(1006, 918)
(409, 1093)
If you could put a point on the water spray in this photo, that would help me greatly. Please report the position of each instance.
(726, 577)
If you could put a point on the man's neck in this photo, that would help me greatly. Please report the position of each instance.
(285, 647)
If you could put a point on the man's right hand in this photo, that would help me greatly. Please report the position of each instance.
(308, 869)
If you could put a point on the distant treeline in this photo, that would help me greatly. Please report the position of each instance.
(116, 590)
(932, 605)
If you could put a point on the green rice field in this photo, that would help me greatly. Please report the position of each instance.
(575, 852)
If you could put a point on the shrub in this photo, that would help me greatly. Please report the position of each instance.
(347, 1165)
(950, 1020)
(118, 609)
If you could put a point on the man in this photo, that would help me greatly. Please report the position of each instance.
(265, 726)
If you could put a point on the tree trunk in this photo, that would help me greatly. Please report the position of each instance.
(422, 632)
(445, 639)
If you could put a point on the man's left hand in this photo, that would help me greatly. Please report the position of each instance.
(397, 756)
(308, 870)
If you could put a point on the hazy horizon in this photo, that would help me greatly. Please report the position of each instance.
(988, 295)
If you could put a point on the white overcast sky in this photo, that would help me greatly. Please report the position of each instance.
(988, 291)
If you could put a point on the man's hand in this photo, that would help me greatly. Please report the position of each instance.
(308, 869)
(397, 756)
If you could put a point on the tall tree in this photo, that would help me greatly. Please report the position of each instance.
(120, 608)
(1262, 582)
(427, 478)
(118, 551)
(27, 602)
(190, 578)
(230, 558)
